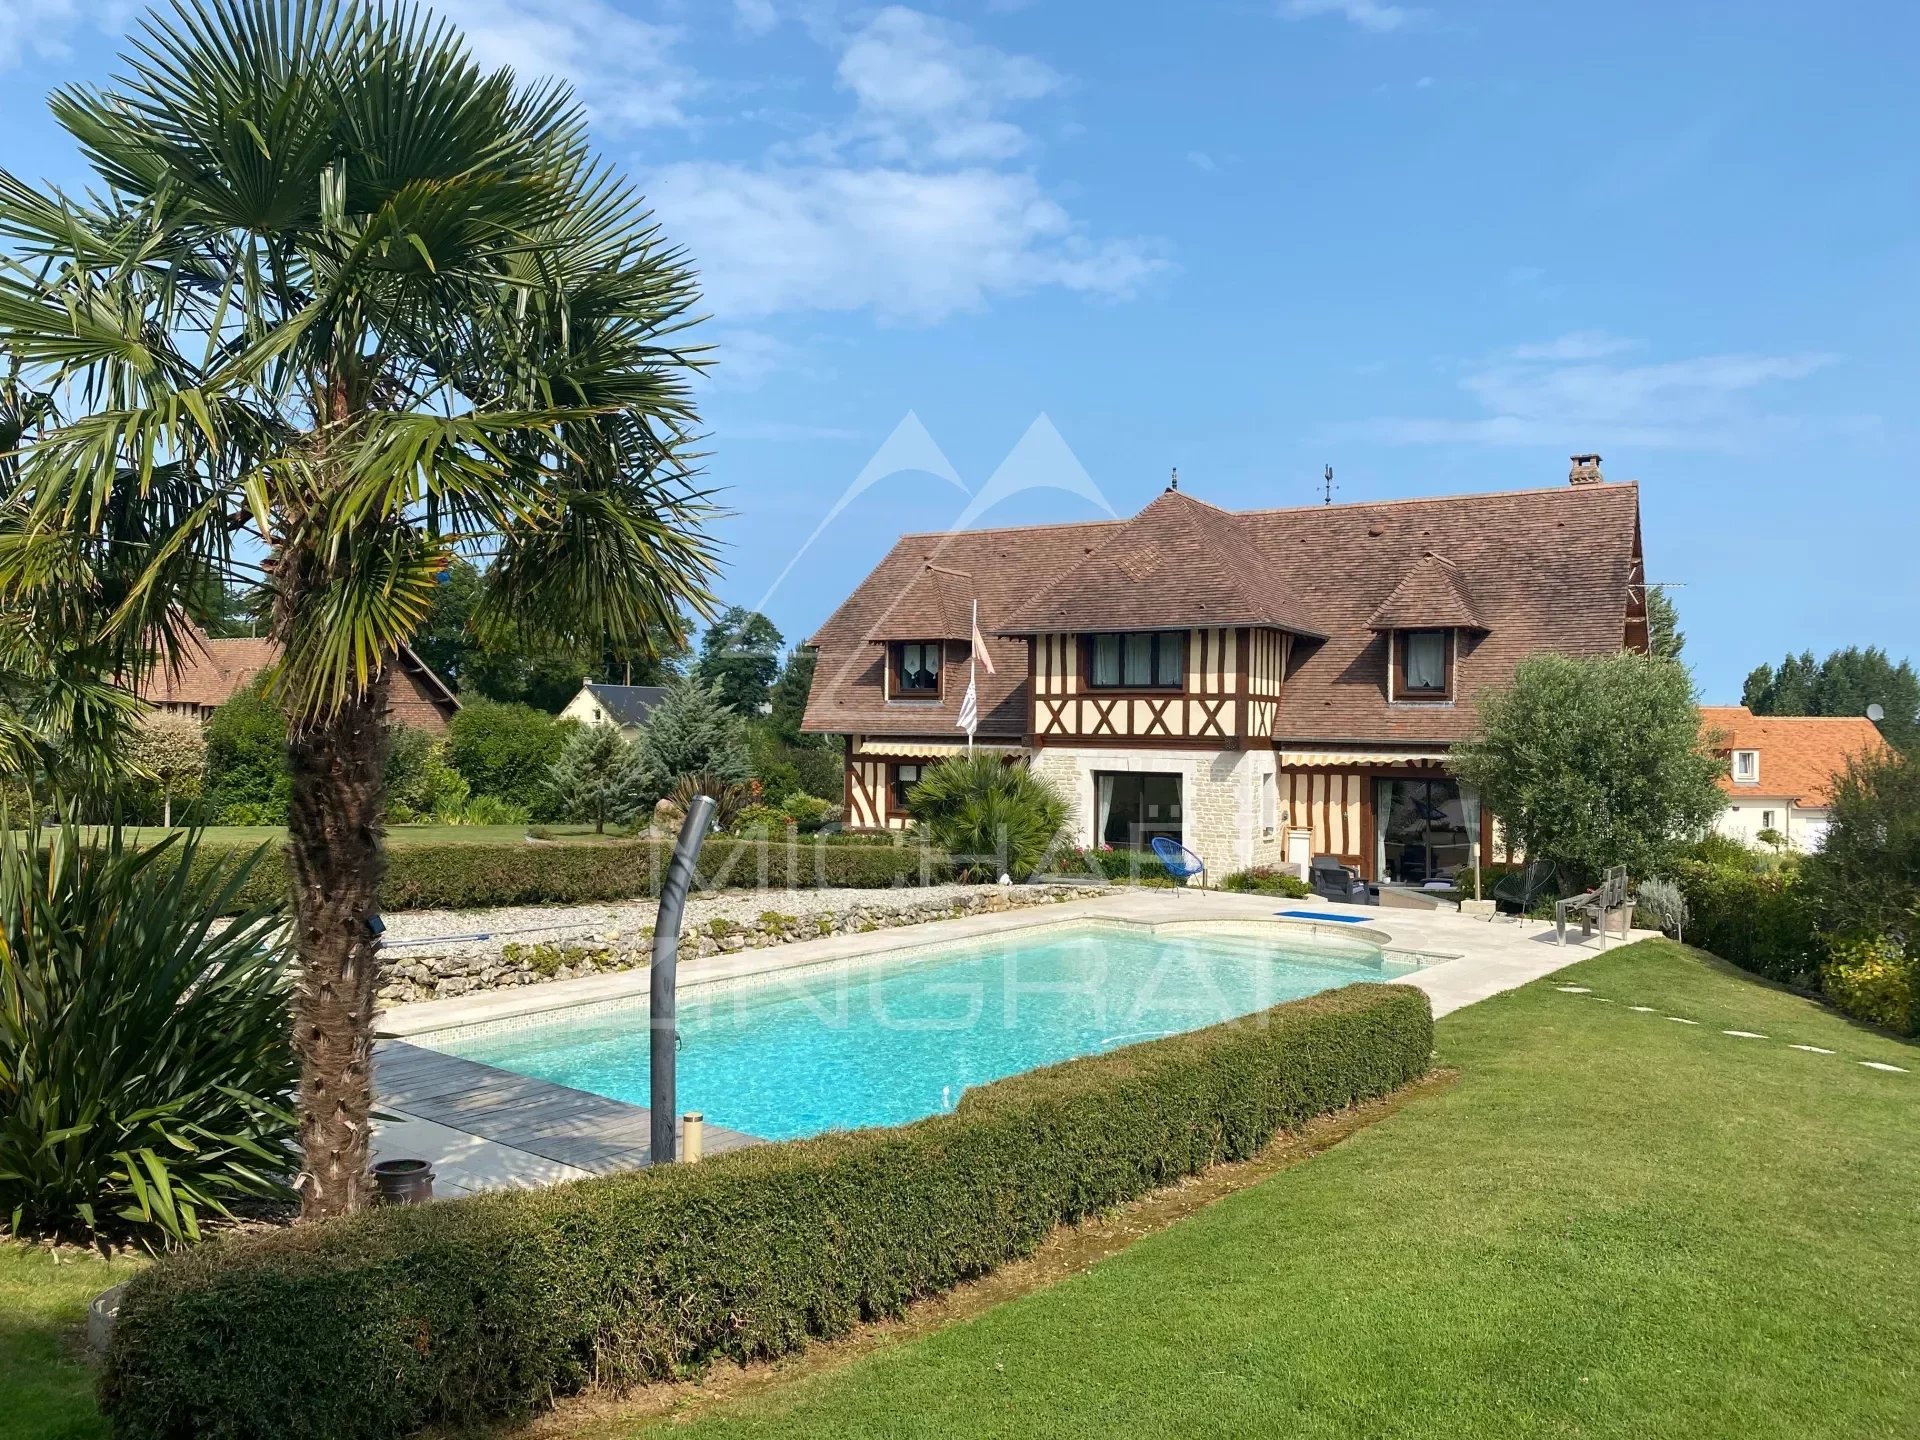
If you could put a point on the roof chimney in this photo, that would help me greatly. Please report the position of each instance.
(1586, 471)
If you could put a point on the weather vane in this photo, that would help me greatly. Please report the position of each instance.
(1327, 478)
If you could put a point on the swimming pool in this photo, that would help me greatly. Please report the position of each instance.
(886, 1040)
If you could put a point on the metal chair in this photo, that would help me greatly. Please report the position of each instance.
(1523, 889)
(1180, 862)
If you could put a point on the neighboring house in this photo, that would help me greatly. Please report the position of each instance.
(1780, 769)
(209, 672)
(626, 706)
(1262, 686)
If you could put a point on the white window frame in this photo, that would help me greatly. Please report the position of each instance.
(1752, 773)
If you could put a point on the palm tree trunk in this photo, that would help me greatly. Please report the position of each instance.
(334, 822)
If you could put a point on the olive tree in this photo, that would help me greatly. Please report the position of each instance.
(1594, 762)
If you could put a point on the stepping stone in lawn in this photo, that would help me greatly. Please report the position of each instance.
(1744, 1034)
(1812, 1049)
(1881, 1065)
(1678, 1021)
(1643, 1009)
(1573, 989)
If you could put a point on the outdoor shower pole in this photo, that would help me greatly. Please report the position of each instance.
(663, 1008)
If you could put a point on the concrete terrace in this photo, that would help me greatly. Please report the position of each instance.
(485, 1128)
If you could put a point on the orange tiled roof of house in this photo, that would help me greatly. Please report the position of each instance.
(205, 673)
(1799, 754)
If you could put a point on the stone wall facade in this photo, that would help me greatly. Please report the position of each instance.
(1229, 807)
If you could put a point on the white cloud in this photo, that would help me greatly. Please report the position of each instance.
(43, 29)
(925, 91)
(908, 244)
(1201, 160)
(907, 206)
(754, 17)
(1374, 15)
(624, 70)
(1574, 392)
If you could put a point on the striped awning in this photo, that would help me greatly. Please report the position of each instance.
(1335, 758)
(930, 749)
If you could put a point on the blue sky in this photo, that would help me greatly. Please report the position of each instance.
(1011, 260)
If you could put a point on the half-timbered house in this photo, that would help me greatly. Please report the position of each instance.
(1262, 685)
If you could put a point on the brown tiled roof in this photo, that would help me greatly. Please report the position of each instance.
(206, 673)
(1551, 570)
(1433, 596)
(1799, 754)
(1178, 563)
(1006, 566)
(936, 605)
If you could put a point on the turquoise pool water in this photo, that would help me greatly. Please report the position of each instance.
(842, 1046)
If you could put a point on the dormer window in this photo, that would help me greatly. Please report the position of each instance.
(1424, 665)
(1746, 767)
(916, 670)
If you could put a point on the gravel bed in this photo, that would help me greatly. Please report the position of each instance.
(626, 919)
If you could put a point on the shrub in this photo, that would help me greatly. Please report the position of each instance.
(457, 876)
(170, 750)
(247, 758)
(601, 776)
(808, 812)
(1662, 905)
(692, 732)
(144, 1056)
(1760, 922)
(420, 782)
(1873, 978)
(729, 796)
(1123, 866)
(477, 1308)
(489, 810)
(989, 815)
(1265, 880)
(506, 750)
(1866, 877)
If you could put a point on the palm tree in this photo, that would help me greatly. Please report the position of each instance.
(344, 308)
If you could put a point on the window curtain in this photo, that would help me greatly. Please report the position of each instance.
(1106, 659)
(1103, 807)
(1426, 662)
(1139, 667)
(1173, 654)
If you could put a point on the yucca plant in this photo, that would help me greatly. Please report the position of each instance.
(146, 1061)
(991, 817)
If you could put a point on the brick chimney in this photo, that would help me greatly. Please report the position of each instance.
(1586, 471)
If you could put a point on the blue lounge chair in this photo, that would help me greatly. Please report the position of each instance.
(1181, 863)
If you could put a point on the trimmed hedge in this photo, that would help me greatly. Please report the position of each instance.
(478, 876)
(1761, 923)
(487, 1307)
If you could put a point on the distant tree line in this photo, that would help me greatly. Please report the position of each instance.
(1845, 683)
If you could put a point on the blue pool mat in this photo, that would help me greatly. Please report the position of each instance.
(1322, 915)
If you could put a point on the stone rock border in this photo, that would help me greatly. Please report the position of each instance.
(415, 976)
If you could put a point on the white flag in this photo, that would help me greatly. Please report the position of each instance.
(969, 720)
(979, 641)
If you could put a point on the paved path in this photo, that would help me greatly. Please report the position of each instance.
(485, 1128)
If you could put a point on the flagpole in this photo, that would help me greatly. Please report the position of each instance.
(973, 666)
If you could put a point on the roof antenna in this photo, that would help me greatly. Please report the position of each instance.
(1327, 480)
(1174, 483)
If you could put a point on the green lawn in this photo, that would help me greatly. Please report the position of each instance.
(44, 1377)
(1612, 1225)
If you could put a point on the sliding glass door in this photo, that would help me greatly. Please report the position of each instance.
(1423, 830)
(1130, 809)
